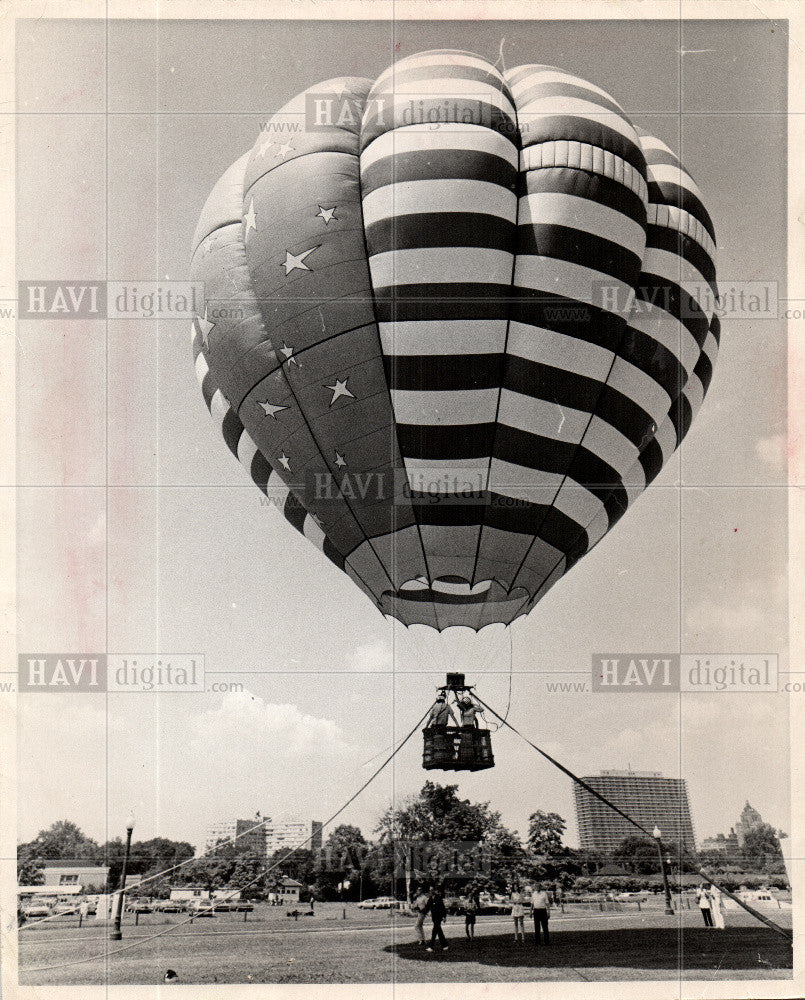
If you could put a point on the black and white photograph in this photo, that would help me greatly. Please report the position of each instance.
(402, 499)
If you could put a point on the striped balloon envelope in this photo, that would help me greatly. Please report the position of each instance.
(455, 321)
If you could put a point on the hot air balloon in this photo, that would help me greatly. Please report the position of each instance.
(457, 320)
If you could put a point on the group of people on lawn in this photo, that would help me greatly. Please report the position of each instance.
(430, 902)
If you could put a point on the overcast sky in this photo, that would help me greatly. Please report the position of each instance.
(180, 557)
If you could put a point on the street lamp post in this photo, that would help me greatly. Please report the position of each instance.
(668, 905)
(116, 934)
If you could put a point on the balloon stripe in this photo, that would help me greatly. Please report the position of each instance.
(439, 195)
(660, 345)
(675, 270)
(660, 291)
(674, 242)
(462, 406)
(449, 164)
(408, 343)
(683, 198)
(598, 189)
(584, 156)
(428, 142)
(679, 221)
(545, 90)
(585, 125)
(578, 247)
(588, 215)
(441, 229)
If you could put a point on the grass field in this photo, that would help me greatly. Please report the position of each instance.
(370, 947)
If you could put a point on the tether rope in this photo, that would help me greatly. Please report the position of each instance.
(783, 931)
(267, 871)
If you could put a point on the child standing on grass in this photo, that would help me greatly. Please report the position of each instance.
(470, 912)
(518, 914)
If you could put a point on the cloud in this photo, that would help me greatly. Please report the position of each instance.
(737, 624)
(243, 719)
(376, 655)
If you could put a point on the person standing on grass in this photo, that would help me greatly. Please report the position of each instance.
(83, 911)
(419, 907)
(716, 908)
(703, 899)
(470, 912)
(518, 914)
(541, 910)
(435, 906)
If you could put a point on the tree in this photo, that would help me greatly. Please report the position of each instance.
(29, 867)
(210, 872)
(344, 857)
(297, 864)
(545, 832)
(437, 813)
(437, 836)
(761, 845)
(159, 853)
(637, 854)
(248, 872)
(64, 840)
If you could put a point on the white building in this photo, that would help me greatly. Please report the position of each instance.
(189, 892)
(282, 833)
(223, 830)
(287, 833)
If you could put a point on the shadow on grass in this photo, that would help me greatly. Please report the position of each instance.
(638, 948)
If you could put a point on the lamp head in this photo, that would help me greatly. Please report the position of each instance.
(657, 833)
(130, 823)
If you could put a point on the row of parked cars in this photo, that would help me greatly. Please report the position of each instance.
(46, 906)
(489, 903)
(141, 905)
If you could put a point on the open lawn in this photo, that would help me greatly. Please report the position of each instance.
(378, 947)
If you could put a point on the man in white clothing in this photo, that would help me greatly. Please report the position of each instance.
(541, 909)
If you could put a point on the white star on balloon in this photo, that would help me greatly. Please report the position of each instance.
(284, 149)
(296, 261)
(327, 214)
(204, 326)
(340, 461)
(285, 462)
(339, 390)
(271, 409)
(264, 146)
(287, 353)
(250, 220)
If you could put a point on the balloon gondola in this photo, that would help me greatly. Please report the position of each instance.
(460, 747)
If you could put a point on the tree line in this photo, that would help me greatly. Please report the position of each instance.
(432, 836)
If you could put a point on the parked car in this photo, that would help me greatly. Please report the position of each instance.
(65, 906)
(224, 905)
(140, 906)
(242, 906)
(203, 907)
(171, 906)
(36, 908)
(631, 897)
(379, 903)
